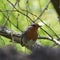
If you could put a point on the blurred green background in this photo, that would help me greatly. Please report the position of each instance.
(18, 22)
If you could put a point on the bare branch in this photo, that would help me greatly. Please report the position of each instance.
(20, 11)
(43, 11)
(16, 36)
(51, 39)
(7, 33)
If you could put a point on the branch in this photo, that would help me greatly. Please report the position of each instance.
(51, 39)
(43, 11)
(7, 33)
(16, 36)
(20, 11)
(37, 17)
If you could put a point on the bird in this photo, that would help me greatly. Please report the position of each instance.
(29, 36)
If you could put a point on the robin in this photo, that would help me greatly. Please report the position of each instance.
(29, 36)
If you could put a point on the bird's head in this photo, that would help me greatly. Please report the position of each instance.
(35, 25)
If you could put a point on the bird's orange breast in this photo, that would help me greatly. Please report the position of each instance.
(32, 34)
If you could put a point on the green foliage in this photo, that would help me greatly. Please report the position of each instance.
(18, 22)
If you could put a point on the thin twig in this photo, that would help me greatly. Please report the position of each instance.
(43, 11)
(11, 22)
(46, 33)
(50, 29)
(20, 11)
